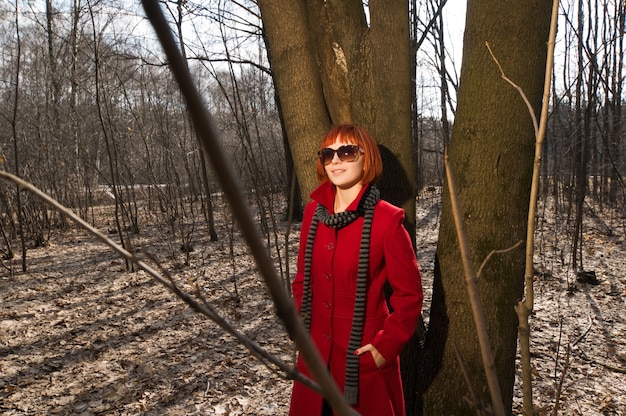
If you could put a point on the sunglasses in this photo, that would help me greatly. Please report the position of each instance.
(346, 153)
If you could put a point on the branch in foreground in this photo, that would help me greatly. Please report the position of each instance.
(207, 134)
(204, 308)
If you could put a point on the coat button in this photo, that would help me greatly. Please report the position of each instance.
(328, 337)
(328, 276)
(331, 247)
(327, 305)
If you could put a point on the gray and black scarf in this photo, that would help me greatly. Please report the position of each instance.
(339, 220)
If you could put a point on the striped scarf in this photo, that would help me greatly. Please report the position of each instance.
(339, 220)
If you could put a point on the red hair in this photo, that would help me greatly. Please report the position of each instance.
(351, 134)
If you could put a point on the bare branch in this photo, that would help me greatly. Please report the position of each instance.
(517, 87)
(203, 308)
(207, 134)
(506, 250)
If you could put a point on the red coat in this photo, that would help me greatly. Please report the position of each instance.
(333, 284)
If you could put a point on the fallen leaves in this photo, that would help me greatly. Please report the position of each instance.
(80, 335)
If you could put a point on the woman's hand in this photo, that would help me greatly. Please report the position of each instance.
(379, 360)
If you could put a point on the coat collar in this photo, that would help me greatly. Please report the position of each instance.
(324, 195)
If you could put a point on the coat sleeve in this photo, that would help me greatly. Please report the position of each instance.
(298, 282)
(406, 300)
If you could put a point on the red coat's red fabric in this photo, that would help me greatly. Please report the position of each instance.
(333, 284)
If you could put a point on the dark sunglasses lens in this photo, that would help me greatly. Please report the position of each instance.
(347, 153)
(326, 155)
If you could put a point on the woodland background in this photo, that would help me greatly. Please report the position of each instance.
(92, 116)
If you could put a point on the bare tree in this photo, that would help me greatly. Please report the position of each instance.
(491, 156)
(14, 121)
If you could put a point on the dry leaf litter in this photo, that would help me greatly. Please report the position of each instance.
(80, 334)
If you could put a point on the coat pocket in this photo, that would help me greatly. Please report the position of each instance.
(367, 363)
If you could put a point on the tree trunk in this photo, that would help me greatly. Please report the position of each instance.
(14, 135)
(491, 157)
(297, 80)
(331, 67)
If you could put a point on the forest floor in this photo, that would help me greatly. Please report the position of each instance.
(81, 335)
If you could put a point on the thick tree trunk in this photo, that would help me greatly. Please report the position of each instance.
(298, 83)
(491, 157)
(331, 67)
(389, 119)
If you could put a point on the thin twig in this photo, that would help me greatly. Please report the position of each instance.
(506, 250)
(517, 87)
(584, 334)
(584, 356)
(559, 387)
(473, 400)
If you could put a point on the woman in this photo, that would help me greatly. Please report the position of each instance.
(351, 244)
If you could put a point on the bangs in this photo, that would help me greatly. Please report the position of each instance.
(351, 134)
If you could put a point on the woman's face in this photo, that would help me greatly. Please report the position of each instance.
(344, 174)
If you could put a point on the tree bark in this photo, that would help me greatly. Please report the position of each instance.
(331, 67)
(297, 80)
(491, 157)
